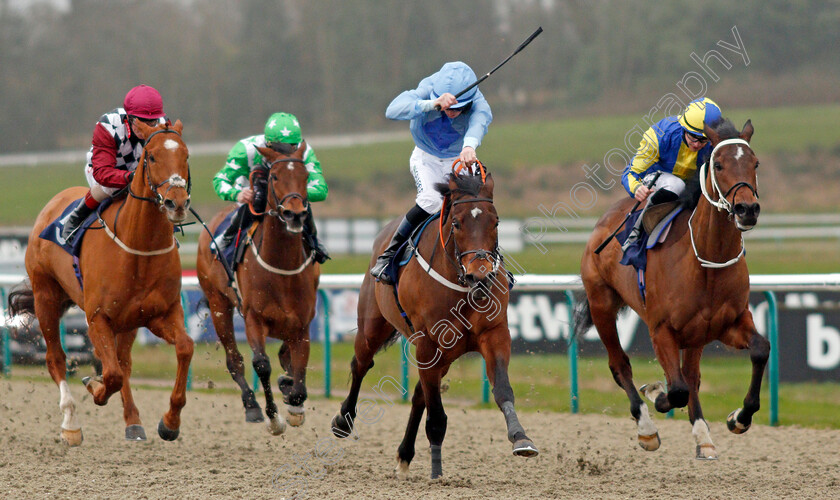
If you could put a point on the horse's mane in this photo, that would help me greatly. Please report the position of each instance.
(689, 198)
(465, 184)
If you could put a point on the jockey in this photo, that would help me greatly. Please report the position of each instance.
(440, 138)
(115, 150)
(282, 134)
(674, 146)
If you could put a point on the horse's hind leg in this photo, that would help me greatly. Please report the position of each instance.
(374, 332)
(700, 429)
(295, 395)
(171, 329)
(405, 453)
(133, 427)
(604, 305)
(221, 311)
(48, 298)
(743, 335)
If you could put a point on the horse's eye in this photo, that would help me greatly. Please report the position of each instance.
(497, 222)
(718, 166)
(151, 157)
(756, 165)
(456, 224)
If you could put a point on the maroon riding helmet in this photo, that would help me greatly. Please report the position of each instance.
(144, 102)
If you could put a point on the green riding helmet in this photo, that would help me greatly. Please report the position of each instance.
(282, 128)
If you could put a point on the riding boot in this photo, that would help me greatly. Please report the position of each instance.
(75, 220)
(311, 234)
(241, 220)
(412, 219)
(259, 183)
(659, 196)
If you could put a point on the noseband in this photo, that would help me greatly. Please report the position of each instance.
(278, 209)
(174, 181)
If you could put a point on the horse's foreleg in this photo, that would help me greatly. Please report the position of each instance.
(295, 395)
(744, 336)
(668, 353)
(222, 315)
(133, 427)
(46, 294)
(405, 453)
(496, 352)
(256, 331)
(603, 318)
(171, 329)
(700, 428)
(103, 339)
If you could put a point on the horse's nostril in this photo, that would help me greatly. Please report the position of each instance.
(187, 204)
(740, 209)
(169, 204)
(757, 209)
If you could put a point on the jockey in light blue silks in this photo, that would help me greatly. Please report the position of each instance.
(672, 146)
(440, 137)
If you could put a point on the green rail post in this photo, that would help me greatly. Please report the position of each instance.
(185, 307)
(7, 338)
(773, 337)
(573, 354)
(62, 332)
(325, 301)
(485, 384)
(404, 365)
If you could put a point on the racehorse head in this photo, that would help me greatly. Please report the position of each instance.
(732, 173)
(287, 181)
(164, 164)
(473, 226)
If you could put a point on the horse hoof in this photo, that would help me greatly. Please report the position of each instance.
(733, 425)
(276, 425)
(340, 427)
(651, 391)
(72, 438)
(254, 415)
(166, 433)
(649, 443)
(285, 383)
(525, 448)
(295, 415)
(706, 452)
(135, 432)
(402, 470)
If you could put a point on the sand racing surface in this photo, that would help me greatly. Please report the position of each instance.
(218, 455)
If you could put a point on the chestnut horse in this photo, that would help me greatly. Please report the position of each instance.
(131, 272)
(454, 305)
(697, 291)
(278, 281)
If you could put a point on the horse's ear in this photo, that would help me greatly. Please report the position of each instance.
(487, 188)
(711, 134)
(747, 131)
(178, 126)
(265, 152)
(143, 128)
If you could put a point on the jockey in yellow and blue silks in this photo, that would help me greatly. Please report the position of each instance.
(674, 146)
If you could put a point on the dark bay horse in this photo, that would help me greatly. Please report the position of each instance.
(697, 291)
(278, 281)
(454, 305)
(131, 271)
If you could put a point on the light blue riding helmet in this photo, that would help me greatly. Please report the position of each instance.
(454, 77)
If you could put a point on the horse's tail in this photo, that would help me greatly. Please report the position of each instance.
(583, 316)
(21, 299)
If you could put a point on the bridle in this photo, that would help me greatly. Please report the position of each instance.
(493, 256)
(174, 181)
(722, 203)
(278, 209)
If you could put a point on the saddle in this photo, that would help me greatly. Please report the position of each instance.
(53, 231)
(656, 213)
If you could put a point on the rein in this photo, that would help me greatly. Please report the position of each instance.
(721, 204)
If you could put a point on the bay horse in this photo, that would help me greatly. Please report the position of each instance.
(278, 281)
(454, 305)
(697, 291)
(131, 275)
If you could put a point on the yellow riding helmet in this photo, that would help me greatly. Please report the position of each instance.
(697, 113)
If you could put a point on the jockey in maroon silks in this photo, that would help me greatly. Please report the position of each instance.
(115, 151)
